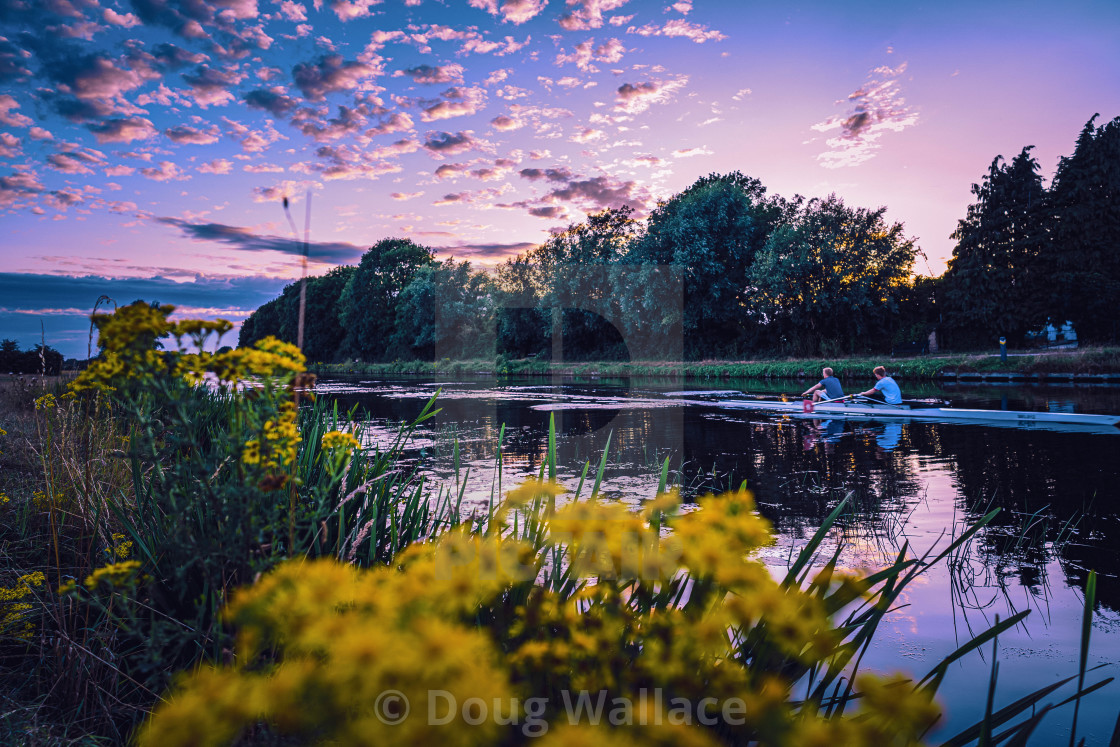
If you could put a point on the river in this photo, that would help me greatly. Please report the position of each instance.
(908, 482)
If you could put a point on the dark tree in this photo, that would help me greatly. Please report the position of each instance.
(712, 232)
(446, 312)
(368, 305)
(523, 324)
(830, 280)
(573, 272)
(994, 286)
(1086, 252)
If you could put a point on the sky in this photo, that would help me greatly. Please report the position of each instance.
(146, 145)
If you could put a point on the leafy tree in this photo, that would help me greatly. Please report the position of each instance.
(919, 313)
(368, 304)
(446, 311)
(831, 279)
(1086, 252)
(523, 324)
(265, 321)
(323, 331)
(993, 287)
(712, 231)
(573, 271)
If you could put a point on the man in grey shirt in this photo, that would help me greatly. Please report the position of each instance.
(828, 388)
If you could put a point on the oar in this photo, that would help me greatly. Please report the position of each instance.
(811, 404)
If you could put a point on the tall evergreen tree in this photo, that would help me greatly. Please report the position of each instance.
(1086, 199)
(993, 286)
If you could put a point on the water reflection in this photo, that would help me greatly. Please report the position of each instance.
(908, 483)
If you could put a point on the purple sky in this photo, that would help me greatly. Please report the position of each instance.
(146, 143)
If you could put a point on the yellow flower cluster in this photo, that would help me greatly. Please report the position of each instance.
(121, 547)
(320, 644)
(347, 636)
(114, 574)
(128, 340)
(268, 358)
(14, 611)
(278, 444)
(45, 402)
(346, 442)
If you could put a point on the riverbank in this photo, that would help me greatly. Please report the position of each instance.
(1089, 365)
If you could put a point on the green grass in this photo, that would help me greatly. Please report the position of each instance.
(1089, 361)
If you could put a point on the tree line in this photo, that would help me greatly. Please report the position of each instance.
(725, 269)
(35, 360)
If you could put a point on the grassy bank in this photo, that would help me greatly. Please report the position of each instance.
(1084, 362)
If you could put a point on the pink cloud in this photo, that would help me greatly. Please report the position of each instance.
(457, 102)
(585, 52)
(330, 74)
(679, 27)
(217, 166)
(451, 170)
(262, 168)
(9, 116)
(123, 130)
(873, 110)
(347, 10)
(76, 161)
(448, 144)
(398, 122)
(126, 20)
(588, 14)
(187, 135)
(9, 145)
(505, 124)
(511, 11)
(165, 171)
(428, 74)
(636, 98)
(700, 150)
(293, 11)
(18, 186)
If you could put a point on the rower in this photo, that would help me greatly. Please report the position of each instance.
(884, 388)
(828, 388)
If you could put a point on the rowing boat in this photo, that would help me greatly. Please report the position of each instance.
(932, 412)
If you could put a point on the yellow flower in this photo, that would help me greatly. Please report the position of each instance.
(114, 574)
(340, 440)
(268, 358)
(45, 402)
(531, 490)
(121, 547)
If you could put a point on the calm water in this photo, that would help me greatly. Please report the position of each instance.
(916, 483)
